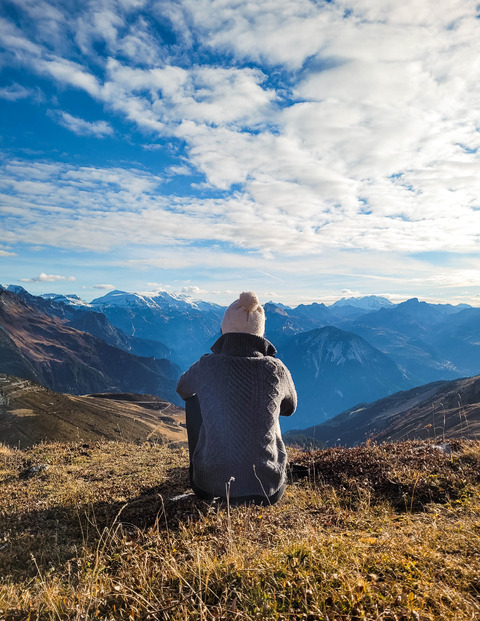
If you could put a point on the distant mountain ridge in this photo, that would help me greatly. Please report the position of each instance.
(365, 303)
(182, 325)
(439, 411)
(84, 317)
(158, 299)
(411, 333)
(70, 299)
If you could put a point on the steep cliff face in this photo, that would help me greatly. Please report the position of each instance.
(43, 348)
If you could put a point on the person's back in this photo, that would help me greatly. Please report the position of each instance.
(241, 391)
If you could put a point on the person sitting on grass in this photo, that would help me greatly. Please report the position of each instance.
(234, 397)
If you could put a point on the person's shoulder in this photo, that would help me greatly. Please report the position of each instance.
(279, 367)
(200, 362)
(205, 359)
(273, 363)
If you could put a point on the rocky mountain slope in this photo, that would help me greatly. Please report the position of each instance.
(30, 414)
(80, 315)
(439, 411)
(43, 348)
(428, 341)
(419, 336)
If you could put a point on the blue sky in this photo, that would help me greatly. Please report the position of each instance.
(307, 150)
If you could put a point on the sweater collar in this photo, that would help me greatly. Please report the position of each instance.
(242, 344)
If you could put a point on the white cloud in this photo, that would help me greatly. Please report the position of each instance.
(85, 128)
(47, 278)
(14, 40)
(70, 73)
(179, 170)
(192, 290)
(110, 208)
(14, 92)
(452, 278)
(104, 287)
(118, 26)
(50, 23)
(224, 292)
(172, 94)
(275, 31)
(157, 286)
(290, 32)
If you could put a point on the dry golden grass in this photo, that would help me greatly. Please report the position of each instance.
(94, 532)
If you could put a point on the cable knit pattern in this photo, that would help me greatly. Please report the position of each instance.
(242, 389)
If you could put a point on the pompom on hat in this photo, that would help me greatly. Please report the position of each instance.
(244, 315)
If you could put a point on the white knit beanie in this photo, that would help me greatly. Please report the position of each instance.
(244, 315)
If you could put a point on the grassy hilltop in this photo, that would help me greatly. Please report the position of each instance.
(95, 531)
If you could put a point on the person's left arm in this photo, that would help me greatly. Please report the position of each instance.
(289, 401)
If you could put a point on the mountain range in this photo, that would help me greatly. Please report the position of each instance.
(44, 348)
(182, 325)
(354, 351)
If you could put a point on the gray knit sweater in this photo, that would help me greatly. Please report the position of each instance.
(242, 389)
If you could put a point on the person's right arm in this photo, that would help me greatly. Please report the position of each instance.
(186, 383)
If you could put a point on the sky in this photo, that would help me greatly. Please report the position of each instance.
(308, 150)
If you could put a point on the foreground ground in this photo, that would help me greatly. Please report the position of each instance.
(104, 531)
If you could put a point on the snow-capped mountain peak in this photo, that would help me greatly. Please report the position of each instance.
(367, 302)
(124, 299)
(15, 289)
(70, 298)
(152, 300)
